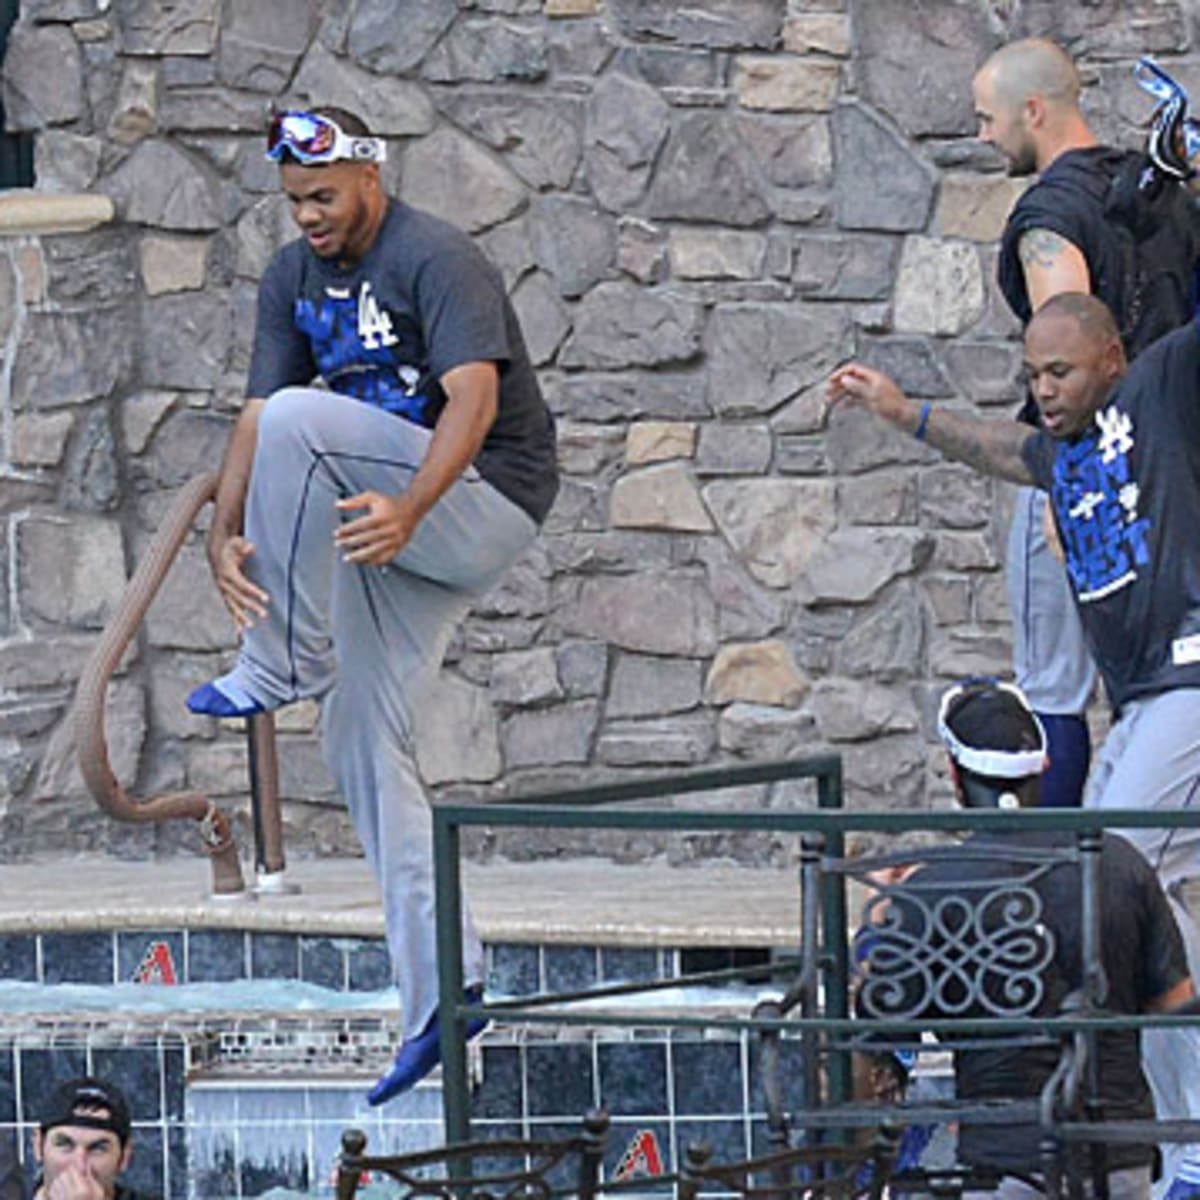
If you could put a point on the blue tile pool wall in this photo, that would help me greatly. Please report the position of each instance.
(200, 1136)
(340, 963)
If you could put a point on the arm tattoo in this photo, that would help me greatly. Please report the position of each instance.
(992, 447)
(1041, 248)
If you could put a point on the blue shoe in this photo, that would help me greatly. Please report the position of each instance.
(209, 701)
(418, 1055)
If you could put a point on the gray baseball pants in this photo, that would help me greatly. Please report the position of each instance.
(368, 640)
(1151, 759)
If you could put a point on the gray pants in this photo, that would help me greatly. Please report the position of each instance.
(1151, 759)
(368, 640)
(1050, 658)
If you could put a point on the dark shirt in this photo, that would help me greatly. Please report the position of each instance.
(1126, 495)
(1140, 252)
(1143, 959)
(422, 301)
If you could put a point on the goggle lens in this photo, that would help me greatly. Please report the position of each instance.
(308, 136)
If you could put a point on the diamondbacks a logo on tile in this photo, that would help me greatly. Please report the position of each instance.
(157, 965)
(641, 1157)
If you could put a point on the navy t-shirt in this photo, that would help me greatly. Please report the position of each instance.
(421, 301)
(1143, 959)
(1126, 495)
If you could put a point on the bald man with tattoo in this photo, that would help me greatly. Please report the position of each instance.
(1059, 238)
(1118, 454)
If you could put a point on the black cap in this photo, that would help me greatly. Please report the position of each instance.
(77, 1101)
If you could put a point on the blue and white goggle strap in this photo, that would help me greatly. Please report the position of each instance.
(1172, 128)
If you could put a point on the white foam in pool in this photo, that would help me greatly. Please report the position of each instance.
(265, 995)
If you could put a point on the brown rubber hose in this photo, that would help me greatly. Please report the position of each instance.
(87, 714)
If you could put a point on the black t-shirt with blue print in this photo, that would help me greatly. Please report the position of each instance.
(422, 301)
(1126, 499)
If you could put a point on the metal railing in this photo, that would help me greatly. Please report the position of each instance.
(604, 807)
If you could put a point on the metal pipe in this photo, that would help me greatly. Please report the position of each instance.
(87, 713)
(264, 796)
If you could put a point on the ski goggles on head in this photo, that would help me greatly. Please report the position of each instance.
(314, 139)
(999, 764)
(1174, 136)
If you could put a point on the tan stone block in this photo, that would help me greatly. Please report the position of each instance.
(140, 416)
(663, 496)
(755, 673)
(774, 526)
(40, 439)
(781, 84)
(825, 32)
(939, 287)
(975, 207)
(173, 264)
(301, 717)
(571, 8)
(717, 254)
(31, 268)
(99, 30)
(655, 441)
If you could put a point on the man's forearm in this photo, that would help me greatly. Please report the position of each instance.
(460, 431)
(235, 473)
(991, 446)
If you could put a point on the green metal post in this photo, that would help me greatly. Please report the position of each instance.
(829, 795)
(448, 898)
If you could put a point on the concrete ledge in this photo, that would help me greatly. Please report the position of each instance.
(585, 901)
(24, 211)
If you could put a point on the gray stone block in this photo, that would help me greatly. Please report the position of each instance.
(720, 24)
(707, 173)
(161, 185)
(541, 139)
(620, 325)
(372, 26)
(627, 121)
(647, 686)
(656, 611)
(65, 359)
(882, 183)
(573, 241)
(915, 60)
(845, 268)
(187, 27)
(42, 78)
(487, 51)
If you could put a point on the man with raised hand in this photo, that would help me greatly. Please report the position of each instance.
(356, 521)
(83, 1142)
(1119, 455)
(1073, 231)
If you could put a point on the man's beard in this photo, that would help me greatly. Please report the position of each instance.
(1023, 162)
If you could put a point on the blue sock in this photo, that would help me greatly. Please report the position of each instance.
(223, 698)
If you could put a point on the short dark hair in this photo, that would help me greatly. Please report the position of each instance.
(1089, 312)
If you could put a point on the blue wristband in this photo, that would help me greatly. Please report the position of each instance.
(923, 423)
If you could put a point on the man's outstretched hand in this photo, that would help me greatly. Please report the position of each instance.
(874, 391)
(375, 538)
(245, 601)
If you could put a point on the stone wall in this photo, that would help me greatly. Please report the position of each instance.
(699, 209)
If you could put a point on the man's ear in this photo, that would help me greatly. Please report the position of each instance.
(37, 1144)
(1033, 110)
(126, 1156)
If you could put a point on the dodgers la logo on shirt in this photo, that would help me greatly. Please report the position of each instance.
(1096, 498)
(352, 339)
